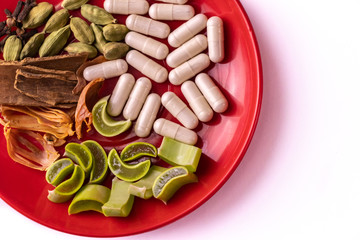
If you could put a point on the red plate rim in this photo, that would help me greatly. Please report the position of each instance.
(251, 129)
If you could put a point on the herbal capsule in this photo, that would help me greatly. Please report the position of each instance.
(179, 110)
(126, 6)
(120, 94)
(173, 130)
(147, 45)
(147, 66)
(137, 98)
(147, 26)
(187, 30)
(189, 69)
(211, 92)
(215, 32)
(186, 51)
(197, 101)
(174, 1)
(105, 70)
(161, 11)
(147, 115)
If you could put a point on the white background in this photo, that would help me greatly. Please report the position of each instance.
(300, 178)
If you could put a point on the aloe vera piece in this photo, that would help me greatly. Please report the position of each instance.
(104, 124)
(179, 154)
(169, 181)
(67, 189)
(136, 150)
(59, 170)
(91, 197)
(120, 202)
(127, 172)
(80, 154)
(143, 187)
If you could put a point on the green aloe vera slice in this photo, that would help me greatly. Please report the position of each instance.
(59, 170)
(143, 187)
(169, 181)
(127, 172)
(100, 165)
(66, 190)
(120, 202)
(138, 149)
(90, 197)
(104, 124)
(80, 154)
(179, 154)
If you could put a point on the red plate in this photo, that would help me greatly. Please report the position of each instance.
(224, 140)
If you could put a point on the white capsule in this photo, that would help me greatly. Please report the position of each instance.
(179, 110)
(215, 32)
(137, 98)
(120, 94)
(147, 66)
(147, 116)
(187, 30)
(211, 93)
(147, 26)
(197, 101)
(189, 69)
(161, 11)
(105, 70)
(186, 51)
(173, 130)
(174, 1)
(147, 45)
(126, 6)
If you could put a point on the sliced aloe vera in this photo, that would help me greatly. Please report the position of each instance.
(66, 190)
(169, 181)
(143, 187)
(127, 172)
(179, 154)
(100, 165)
(59, 170)
(120, 202)
(80, 154)
(90, 197)
(136, 150)
(104, 124)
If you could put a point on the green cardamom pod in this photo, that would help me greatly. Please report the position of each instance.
(115, 32)
(58, 20)
(73, 4)
(55, 42)
(79, 47)
(82, 31)
(31, 48)
(97, 15)
(100, 41)
(115, 50)
(38, 15)
(12, 48)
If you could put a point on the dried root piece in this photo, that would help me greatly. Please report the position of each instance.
(87, 100)
(51, 87)
(79, 73)
(29, 148)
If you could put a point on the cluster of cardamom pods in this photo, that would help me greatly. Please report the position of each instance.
(103, 35)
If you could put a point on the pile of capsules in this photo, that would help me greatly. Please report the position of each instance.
(133, 98)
